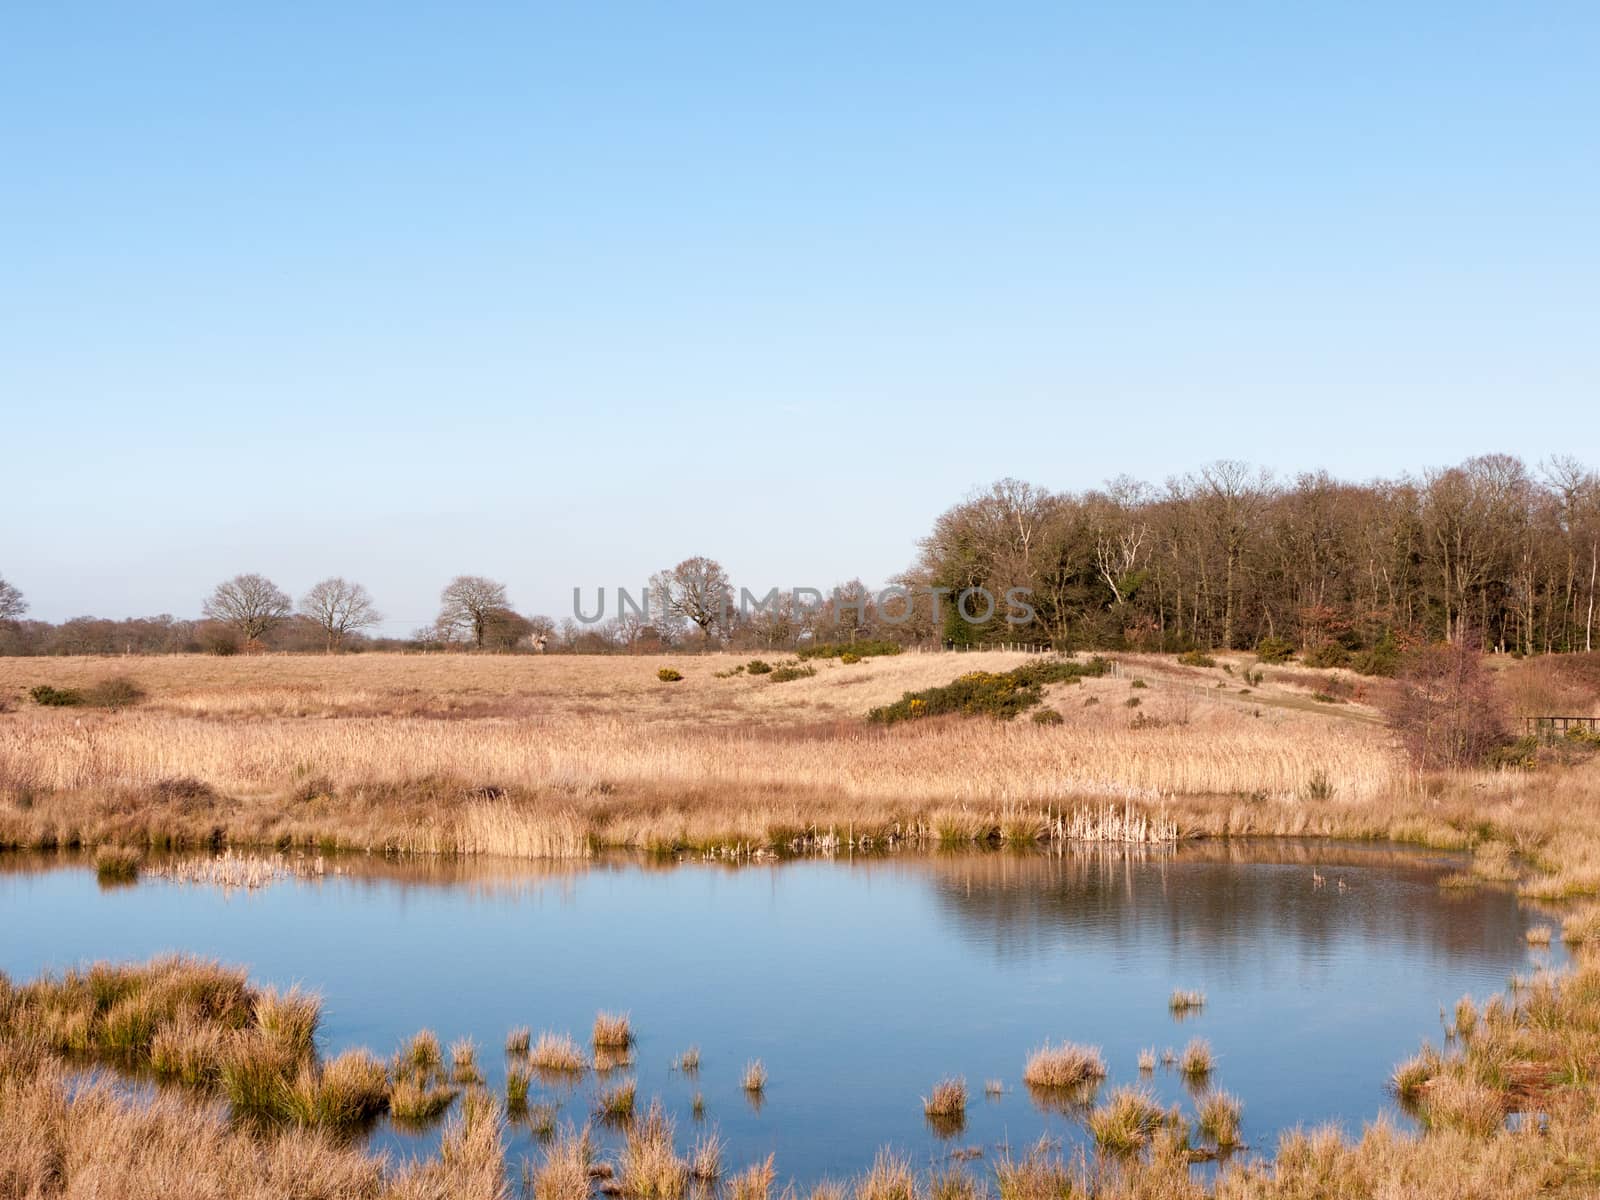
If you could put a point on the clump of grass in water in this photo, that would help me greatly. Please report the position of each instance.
(1064, 1066)
(1127, 1121)
(464, 1062)
(1197, 1061)
(1464, 1105)
(1218, 1115)
(540, 1119)
(340, 1095)
(993, 1087)
(651, 1168)
(616, 1103)
(1466, 1017)
(518, 1080)
(1147, 1059)
(755, 1182)
(1183, 1002)
(1539, 935)
(754, 1078)
(518, 1039)
(698, 1106)
(116, 864)
(557, 1053)
(948, 1099)
(705, 1159)
(564, 1172)
(688, 1061)
(1040, 1175)
(1411, 1076)
(612, 1031)
(889, 1179)
(289, 1018)
(1582, 927)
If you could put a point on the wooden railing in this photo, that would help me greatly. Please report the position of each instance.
(1548, 729)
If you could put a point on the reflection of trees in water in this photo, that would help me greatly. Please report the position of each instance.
(1219, 899)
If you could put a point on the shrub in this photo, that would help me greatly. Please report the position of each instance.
(849, 658)
(117, 692)
(668, 675)
(1382, 659)
(1131, 702)
(1194, 658)
(864, 649)
(986, 693)
(52, 697)
(1138, 683)
(1325, 654)
(758, 666)
(1048, 716)
(786, 673)
(1446, 711)
(1274, 650)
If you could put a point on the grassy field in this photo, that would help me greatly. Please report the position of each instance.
(552, 757)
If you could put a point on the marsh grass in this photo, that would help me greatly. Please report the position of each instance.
(1538, 935)
(1183, 1002)
(705, 1158)
(1147, 1060)
(419, 1099)
(688, 1062)
(1126, 1121)
(994, 1087)
(889, 1178)
(947, 1099)
(1040, 1174)
(615, 1104)
(563, 1172)
(289, 1018)
(651, 1167)
(1218, 1116)
(540, 1119)
(612, 1031)
(339, 1095)
(1197, 1060)
(754, 1182)
(1412, 1075)
(1582, 927)
(116, 865)
(1067, 1065)
(754, 1078)
(518, 1040)
(557, 1053)
(518, 1080)
(464, 1062)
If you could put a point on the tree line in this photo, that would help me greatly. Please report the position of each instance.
(1489, 553)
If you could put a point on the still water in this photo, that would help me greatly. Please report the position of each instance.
(858, 983)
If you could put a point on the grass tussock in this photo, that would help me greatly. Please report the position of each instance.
(518, 1040)
(947, 1099)
(754, 1182)
(1184, 1001)
(705, 1158)
(563, 1172)
(116, 864)
(616, 1103)
(1066, 1065)
(1126, 1121)
(754, 1078)
(1197, 1060)
(688, 1061)
(557, 1053)
(612, 1031)
(1219, 1117)
(651, 1167)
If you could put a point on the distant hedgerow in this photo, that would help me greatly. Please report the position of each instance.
(1001, 694)
(868, 649)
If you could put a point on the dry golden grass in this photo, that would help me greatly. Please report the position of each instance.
(544, 757)
(1064, 1066)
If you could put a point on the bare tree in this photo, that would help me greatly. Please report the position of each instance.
(469, 603)
(12, 605)
(339, 608)
(249, 604)
(1445, 709)
(696, 590)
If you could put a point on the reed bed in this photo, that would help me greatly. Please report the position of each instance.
(566, 756)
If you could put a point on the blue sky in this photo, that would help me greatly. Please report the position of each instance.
(563, 294)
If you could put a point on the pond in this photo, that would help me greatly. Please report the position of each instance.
(859, 983)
